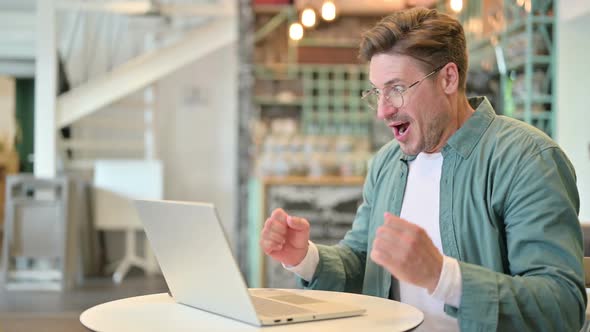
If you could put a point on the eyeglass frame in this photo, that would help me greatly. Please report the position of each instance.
(401, 93)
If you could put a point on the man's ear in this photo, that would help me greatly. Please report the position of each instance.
(450, 78)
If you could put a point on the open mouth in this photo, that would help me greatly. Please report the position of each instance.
(400, 129)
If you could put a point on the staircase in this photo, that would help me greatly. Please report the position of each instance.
(122, 130)
(113, 64)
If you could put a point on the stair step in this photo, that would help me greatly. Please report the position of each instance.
(119, 114)
(90, 145)
(110, 124)
(132, 104)
(80, 164)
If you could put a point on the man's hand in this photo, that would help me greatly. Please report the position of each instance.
(285, 238)
(406, 251)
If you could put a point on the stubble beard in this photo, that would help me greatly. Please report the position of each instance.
(434, 134)
(430, 137)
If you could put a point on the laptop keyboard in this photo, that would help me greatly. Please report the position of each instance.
(271, 308)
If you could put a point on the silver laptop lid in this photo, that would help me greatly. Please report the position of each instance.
(196, 260)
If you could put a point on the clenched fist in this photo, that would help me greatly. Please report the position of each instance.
(285, 238)
(407, 252)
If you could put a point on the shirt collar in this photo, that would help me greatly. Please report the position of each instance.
(466, 137)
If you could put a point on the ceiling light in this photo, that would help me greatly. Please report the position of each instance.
(328, 10)
(456, 5)
(308, 17)
(296, 31)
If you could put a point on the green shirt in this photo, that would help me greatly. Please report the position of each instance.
(508, 213)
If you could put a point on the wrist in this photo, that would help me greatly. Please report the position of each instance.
(306, 268)
(449, 289)
(302, 255)
(297, 258)
(436, 275)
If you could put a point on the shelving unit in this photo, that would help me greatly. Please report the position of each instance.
(331, 100)
(516, 40)
(324, 98)
(532, 86)
(328, 202)
(317, 83)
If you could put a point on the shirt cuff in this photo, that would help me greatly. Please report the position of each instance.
(306, 269)
(449, 287)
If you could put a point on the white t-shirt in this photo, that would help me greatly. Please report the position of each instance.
(421, 207)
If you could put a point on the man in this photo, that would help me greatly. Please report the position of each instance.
(469, 216)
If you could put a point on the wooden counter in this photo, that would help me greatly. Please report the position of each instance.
(315, 181)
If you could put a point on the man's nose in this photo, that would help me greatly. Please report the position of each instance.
(385, 110)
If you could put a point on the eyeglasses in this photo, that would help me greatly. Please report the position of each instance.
(394, 95)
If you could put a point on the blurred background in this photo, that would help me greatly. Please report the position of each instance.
(248, 104)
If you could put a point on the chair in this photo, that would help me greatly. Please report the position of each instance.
(116, 184)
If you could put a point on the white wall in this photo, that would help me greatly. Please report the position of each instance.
(573, 79)
(569, 9)
(197, 133)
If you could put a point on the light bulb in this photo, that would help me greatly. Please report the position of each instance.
(456, 5)
(296, 31)
(328, 11)
(308, 17)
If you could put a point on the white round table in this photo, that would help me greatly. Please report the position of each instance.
(159, 312)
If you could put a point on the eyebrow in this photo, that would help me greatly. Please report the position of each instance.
(390, 82)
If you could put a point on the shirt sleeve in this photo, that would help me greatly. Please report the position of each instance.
(306, 268)
(449, 287)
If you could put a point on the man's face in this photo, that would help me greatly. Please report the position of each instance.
(419, 124)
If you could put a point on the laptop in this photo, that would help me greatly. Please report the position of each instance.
(190, 245)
